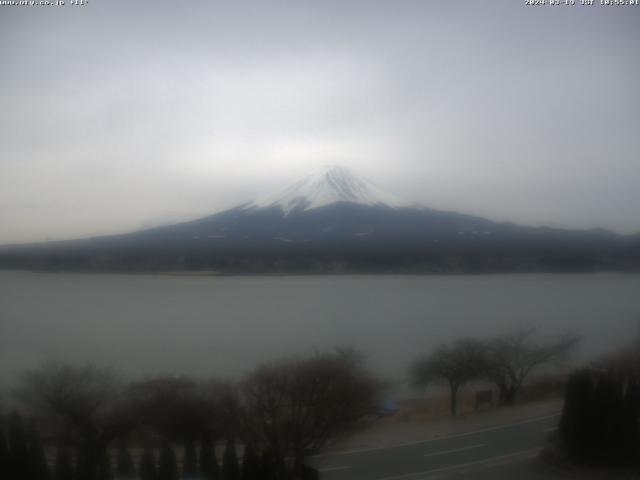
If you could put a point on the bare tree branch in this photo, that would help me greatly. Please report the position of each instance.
(512, 357)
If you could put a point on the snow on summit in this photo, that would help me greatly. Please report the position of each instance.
(328, 185)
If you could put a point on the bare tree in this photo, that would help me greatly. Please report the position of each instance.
(511, 358)
(179, 408)
(82, 405)
(455, 364)
(296, 408)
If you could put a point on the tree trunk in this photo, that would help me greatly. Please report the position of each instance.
(88, 462)
(509, 397)
(454, 399)
(507, 394)
(298, 466)
(301, 471)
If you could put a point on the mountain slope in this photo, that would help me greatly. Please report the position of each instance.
(329, 185)
(334, 221)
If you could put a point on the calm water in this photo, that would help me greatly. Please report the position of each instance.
(223, 326)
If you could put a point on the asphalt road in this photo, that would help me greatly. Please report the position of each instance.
(440, 456)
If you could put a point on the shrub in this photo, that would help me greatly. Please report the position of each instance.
(168, 466)
(230, 467)
(209, 468)
(64, 466)
(600, 420)
(148, 469)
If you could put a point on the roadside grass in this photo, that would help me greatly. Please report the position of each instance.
(423, 409)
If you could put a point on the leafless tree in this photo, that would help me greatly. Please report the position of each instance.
(82, 405)
(511, 358)
(177, 407)
(296, 408)
(455, 364)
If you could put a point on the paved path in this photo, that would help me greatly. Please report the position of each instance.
(443, 456)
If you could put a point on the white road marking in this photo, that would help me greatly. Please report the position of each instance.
(552, 429)
(333, 469)
(419, 475)
(436, 439)
(454, 450)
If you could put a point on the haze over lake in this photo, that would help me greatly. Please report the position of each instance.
(224, 326)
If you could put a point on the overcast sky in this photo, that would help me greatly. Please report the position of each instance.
(119, 115)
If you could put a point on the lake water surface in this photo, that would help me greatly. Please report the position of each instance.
(224, 326)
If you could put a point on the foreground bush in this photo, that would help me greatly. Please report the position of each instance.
(600, 423)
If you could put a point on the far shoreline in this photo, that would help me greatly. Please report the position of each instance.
(218, 273)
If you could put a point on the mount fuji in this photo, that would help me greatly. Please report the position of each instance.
(331, 184)
(335, 221)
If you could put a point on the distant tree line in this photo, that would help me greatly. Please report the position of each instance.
(505, 361)
(94, 426)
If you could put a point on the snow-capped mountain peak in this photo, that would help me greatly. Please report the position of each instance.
(330, 184)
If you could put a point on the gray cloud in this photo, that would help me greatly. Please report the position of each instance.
(123, 114)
